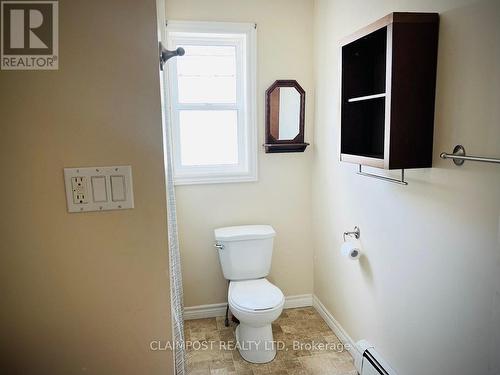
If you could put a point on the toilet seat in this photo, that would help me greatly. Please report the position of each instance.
(255, 295)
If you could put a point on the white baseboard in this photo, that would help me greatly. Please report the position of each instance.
(219, 309)
(337, 329)
(300, 300)
(205, 311)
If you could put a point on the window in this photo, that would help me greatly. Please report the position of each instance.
(212, 100)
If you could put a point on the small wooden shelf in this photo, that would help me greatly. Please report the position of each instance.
(275, 148)
(366, 97)
(388, 89)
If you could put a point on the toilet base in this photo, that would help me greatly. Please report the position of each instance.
(256, 344)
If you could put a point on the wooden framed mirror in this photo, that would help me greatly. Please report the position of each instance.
(285, 114)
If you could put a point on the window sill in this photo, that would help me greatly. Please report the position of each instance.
(185, 180)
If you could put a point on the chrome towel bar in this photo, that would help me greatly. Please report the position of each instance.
(459, 156)
(383, 178)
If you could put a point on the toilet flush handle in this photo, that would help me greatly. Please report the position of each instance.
(219, 246)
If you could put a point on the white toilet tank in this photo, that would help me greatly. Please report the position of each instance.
(245, 252)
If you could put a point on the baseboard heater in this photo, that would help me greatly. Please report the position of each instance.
(371, 362)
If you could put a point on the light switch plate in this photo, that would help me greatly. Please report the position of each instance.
(103, 188)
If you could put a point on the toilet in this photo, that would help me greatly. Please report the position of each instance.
(245, 254)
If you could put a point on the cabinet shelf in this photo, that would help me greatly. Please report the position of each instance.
(387, 92)
(366, 97)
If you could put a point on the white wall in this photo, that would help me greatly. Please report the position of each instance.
(282, 195)
(426, 293)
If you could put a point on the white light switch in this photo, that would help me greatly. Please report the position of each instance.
(118, 193)
(99, 193)
(99, 188)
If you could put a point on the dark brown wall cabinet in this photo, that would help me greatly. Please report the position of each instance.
(388, 89)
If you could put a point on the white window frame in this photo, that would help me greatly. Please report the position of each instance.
(243, 37)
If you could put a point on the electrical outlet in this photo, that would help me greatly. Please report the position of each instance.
(99, 188)
(79, 188)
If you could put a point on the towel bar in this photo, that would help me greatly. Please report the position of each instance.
(383, 178)
(459, 156)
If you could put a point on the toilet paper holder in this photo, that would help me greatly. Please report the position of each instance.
(356, 233)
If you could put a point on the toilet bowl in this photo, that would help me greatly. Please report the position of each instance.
(256, 304)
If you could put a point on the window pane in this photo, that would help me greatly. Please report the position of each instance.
(207, 74)
(208, 137)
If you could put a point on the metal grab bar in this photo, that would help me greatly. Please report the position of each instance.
(459, 156)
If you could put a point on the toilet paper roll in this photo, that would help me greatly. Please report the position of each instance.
(351, 250)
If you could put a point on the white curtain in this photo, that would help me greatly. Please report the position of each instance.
(175, 269)
(177, 305)
(176, 299)
(174, 257)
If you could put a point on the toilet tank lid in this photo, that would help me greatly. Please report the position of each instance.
(244, 232)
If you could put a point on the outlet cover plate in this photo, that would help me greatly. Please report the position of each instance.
(99, 189)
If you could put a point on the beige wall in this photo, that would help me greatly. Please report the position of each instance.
(282, 195)
(426, 293)
(84, 293)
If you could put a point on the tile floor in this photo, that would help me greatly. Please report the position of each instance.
(297, 330)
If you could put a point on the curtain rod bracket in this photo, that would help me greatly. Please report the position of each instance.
(165, 54)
